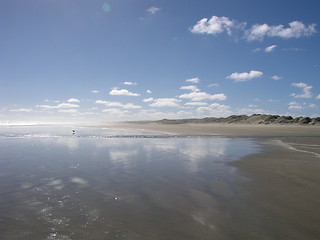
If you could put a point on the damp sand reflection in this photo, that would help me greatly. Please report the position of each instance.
(118, 188)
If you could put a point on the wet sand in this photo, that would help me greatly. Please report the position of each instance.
(258, 187)
(236, 130)
(281, 184)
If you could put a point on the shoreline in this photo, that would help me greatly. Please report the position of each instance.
(280, 184)
(209, 129)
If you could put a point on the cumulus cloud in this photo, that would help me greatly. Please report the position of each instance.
(318, 97)
(215, 109)
(118, 104)
(276, 78)
(165, 102)
(270, 48)
(115, 112)
(196, 104)
(95, 91)
(193, 80)
(109, 104)
(62, 105)
(130, 83)
(148, 100)
(68, 111)
(295, 106)
(73, 100)
(153, 10)
(149, 91)
(296, 29)
(123, 92)
(214, 26)
(306, 90)
(191, 88)
(200, 96)
(217, 25)
(131, 106)
(245, 76)
(21, 110)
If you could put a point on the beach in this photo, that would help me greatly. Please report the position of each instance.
(283, 186)
(140, 181)
(231, 130)
(282, 183)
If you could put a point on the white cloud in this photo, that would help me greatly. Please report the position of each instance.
(148, 100)
(306, 90)
(296, 29)
(196, 104)
(193, 80)
(114, 112)
(149, 91)
(276, 78)
(295, 106)
(270, 48)
(95, 91)
(46, 106)
(200, 96)
(131, 106)
(153, 10)
(191, 88)
(118, 104)
(300, 85)
(214, 26)
(130, 83)
(165, 102)
(217, 25)
(311, 105)
(244, 77)
(67, 105)
(68, 110)
(21, 110)
(101, 102)
(47, 100)
(123, 92)
(62, 105)
(215, 110)
(110, 104)
(318, 97)
(73, 100)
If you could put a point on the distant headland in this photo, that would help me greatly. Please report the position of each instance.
(243, 119)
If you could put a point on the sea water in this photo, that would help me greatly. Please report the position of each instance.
(94, 183)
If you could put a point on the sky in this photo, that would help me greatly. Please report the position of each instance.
(93, 61)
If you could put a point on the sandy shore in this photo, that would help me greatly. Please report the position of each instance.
(281, 183)
(283, 186)
(237, 130)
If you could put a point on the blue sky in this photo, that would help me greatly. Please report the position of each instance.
(93, 61)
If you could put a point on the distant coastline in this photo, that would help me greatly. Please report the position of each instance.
(257, 125)
(240, 119)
